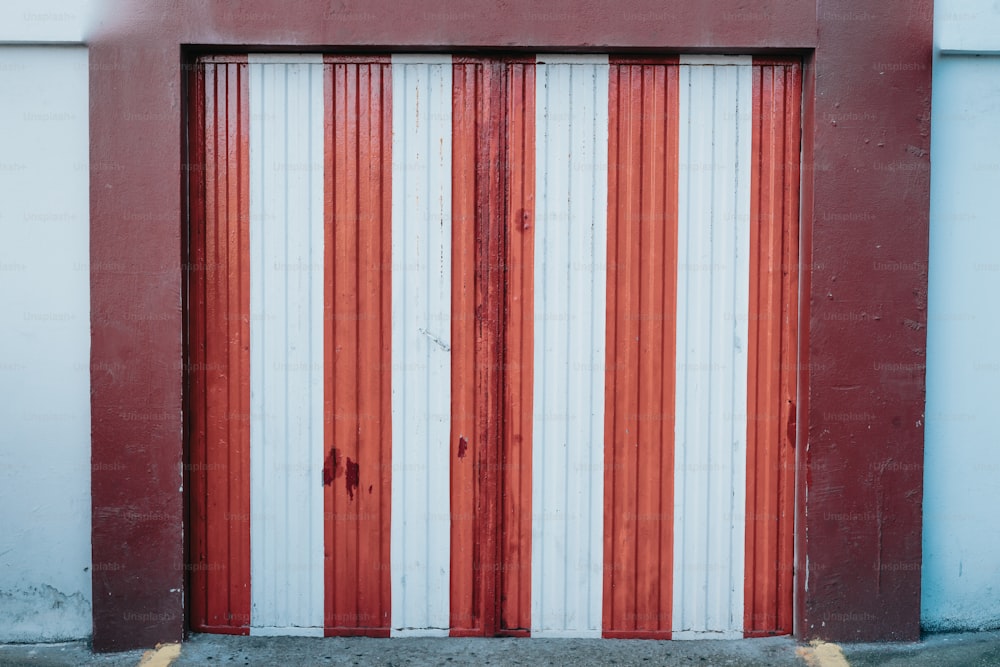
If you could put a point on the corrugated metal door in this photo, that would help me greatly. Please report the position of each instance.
(493, 346)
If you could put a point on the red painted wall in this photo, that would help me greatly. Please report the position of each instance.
(865, 202)
(865, 207)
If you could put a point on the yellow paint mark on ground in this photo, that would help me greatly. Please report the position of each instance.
(161, 656)
(822, 654)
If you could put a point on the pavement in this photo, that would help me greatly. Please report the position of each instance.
(972, 649)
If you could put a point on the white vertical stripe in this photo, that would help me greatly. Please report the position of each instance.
(712, 307)
(570, 295)
(421, 348)
(286, 344)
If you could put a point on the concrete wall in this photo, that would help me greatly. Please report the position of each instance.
(961, 539)
(45, 558)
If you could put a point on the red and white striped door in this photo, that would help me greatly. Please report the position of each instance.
(492, 346)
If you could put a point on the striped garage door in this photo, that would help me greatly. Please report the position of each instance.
(492, 346)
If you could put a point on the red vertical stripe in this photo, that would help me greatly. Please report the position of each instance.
(357, 340)
(515, 469)
(465, 450)
(789, 342)
(774, 217)
(477, 194)
(641, 306)
(491, 156)
(219, 349)
(196, 480)
(492, 259)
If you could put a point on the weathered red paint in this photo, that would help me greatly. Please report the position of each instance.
(464, 474)
(357, 343)
(641, 348)
(219, 354)
(331, 467)
(773, 327)
(491, 247)
(514, 472)
(493, 124)
(803, 479)
(137, 98)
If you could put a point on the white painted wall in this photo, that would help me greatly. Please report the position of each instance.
(967, 26)
(47, 21)
(961, 559)
(45, 561)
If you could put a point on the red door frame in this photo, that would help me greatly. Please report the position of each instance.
(865, 192)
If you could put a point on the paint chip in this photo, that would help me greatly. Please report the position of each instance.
(353, 477)
(463, 446)
(434, 339)
(822, 654)
(162, 655)
(331, 467)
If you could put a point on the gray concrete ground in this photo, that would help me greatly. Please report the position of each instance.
(979, 649)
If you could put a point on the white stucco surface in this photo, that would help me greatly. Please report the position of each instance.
(45, 559)
(961, 539)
